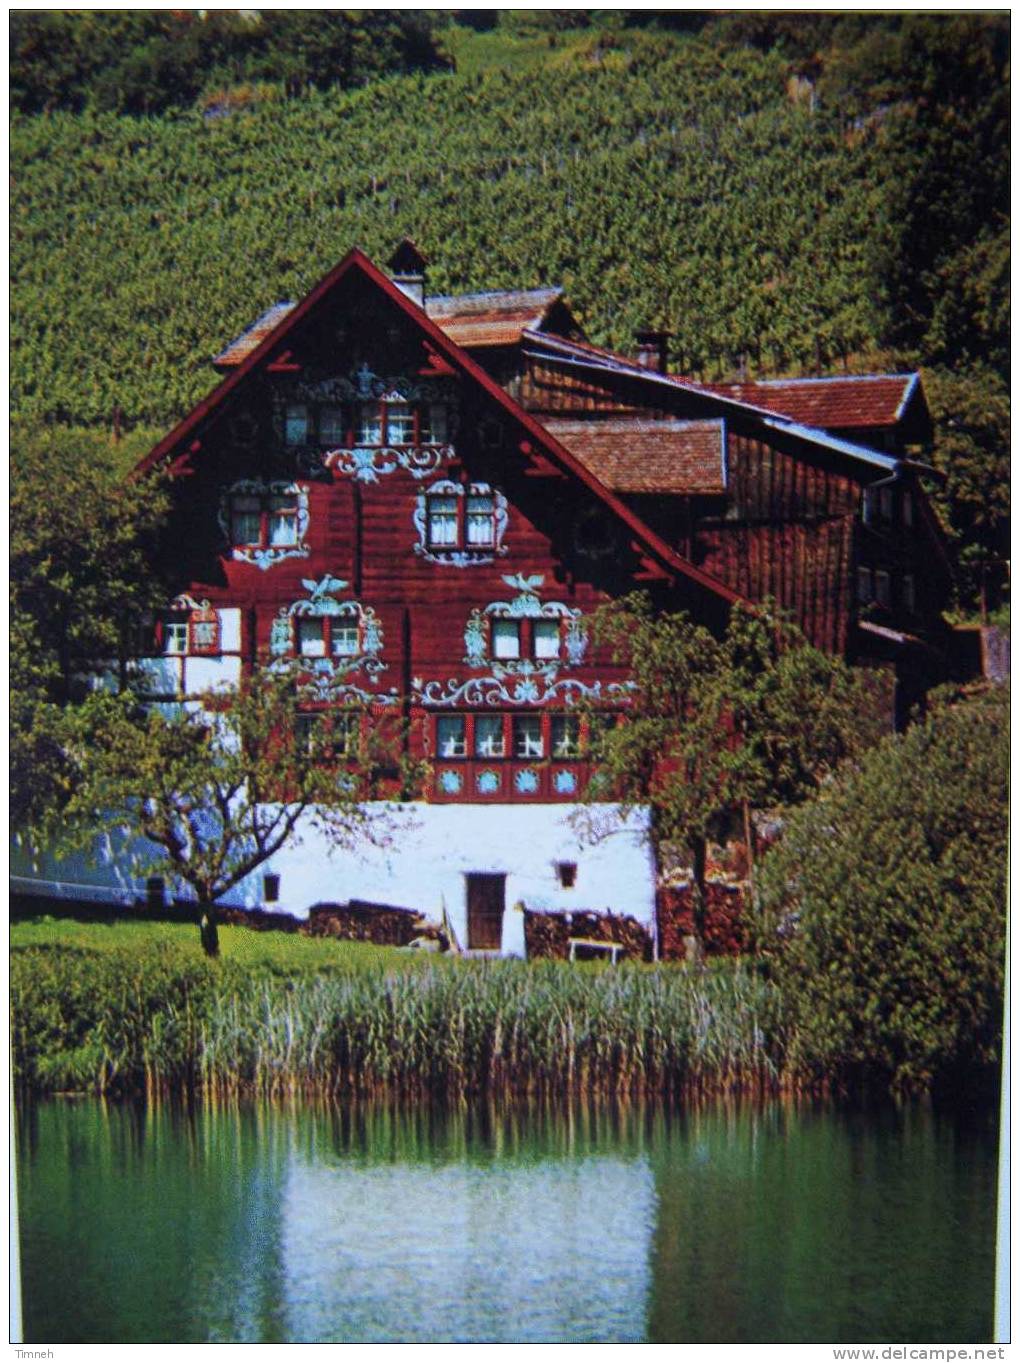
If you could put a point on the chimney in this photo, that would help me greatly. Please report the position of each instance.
(653, 350)
(407, 270)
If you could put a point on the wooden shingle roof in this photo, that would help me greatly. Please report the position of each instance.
(472, 320)
(842, 403)
(633, 455)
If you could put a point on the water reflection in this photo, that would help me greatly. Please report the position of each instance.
(363, 1224)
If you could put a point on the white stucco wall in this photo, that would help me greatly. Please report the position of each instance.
(425, 855)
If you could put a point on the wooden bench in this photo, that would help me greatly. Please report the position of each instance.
(610, 949)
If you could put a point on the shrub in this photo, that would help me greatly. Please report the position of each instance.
(883, 908)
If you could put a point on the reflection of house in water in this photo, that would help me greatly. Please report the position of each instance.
(555, 1249)
(419, 502)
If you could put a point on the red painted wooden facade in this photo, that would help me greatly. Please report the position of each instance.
(388, 511)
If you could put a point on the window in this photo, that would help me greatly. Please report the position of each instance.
(908, 508)
(567, 872)
(565, 736)
(393, 421)
(506, 639)
(909, 593)
(489, 738)
(527, 735)
(451, 736)
(270, 889)
(399, 423)
(885, 505)
(321, 636)
(296, 424)
(457, 521)
(368, 429)
(175, 636)
(481, 520)
(432, 424)
(343, 640)
(332, 426)
(546, 637)
(442, 521)
(864, 588)
(246, 520)
(883, 588)
(328, 733)
(261, 521)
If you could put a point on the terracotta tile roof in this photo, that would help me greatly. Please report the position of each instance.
(468, 319)
(839, 404)
(633, 455)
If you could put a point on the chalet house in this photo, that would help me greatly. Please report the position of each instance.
(417, 502)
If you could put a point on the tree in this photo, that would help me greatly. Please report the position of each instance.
(217, 785)
(883, 907)
(79, 573)
(971, 410)
(717, 727)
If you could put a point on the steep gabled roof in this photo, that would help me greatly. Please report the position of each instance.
(473, 320)
(841, 403)
(634, 455)
(654, 552)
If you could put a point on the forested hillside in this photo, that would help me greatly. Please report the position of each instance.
(783, 199)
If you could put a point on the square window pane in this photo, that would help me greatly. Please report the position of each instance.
(451, 738)
(506, 639)
(297, 424)
(344, 640)
(566, 740)
(527, 735)
(399, 423)
(547, 638)
(368, 430)
(489, 741)
(311, 639)
(332, 430)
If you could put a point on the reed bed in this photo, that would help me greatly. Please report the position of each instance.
(161, 1019)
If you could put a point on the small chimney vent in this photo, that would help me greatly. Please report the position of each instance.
(653, 349)
(407, 267)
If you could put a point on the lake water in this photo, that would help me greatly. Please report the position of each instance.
(720, 1224)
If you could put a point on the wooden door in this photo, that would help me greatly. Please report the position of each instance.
(486, 900)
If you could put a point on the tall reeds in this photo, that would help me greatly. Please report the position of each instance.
(163, 1019)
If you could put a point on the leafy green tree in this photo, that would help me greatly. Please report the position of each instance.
(717, 727)
(217, 785)
(79, 573)
(884, 906)
(971, 410)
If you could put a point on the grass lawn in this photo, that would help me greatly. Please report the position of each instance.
(281, 952)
